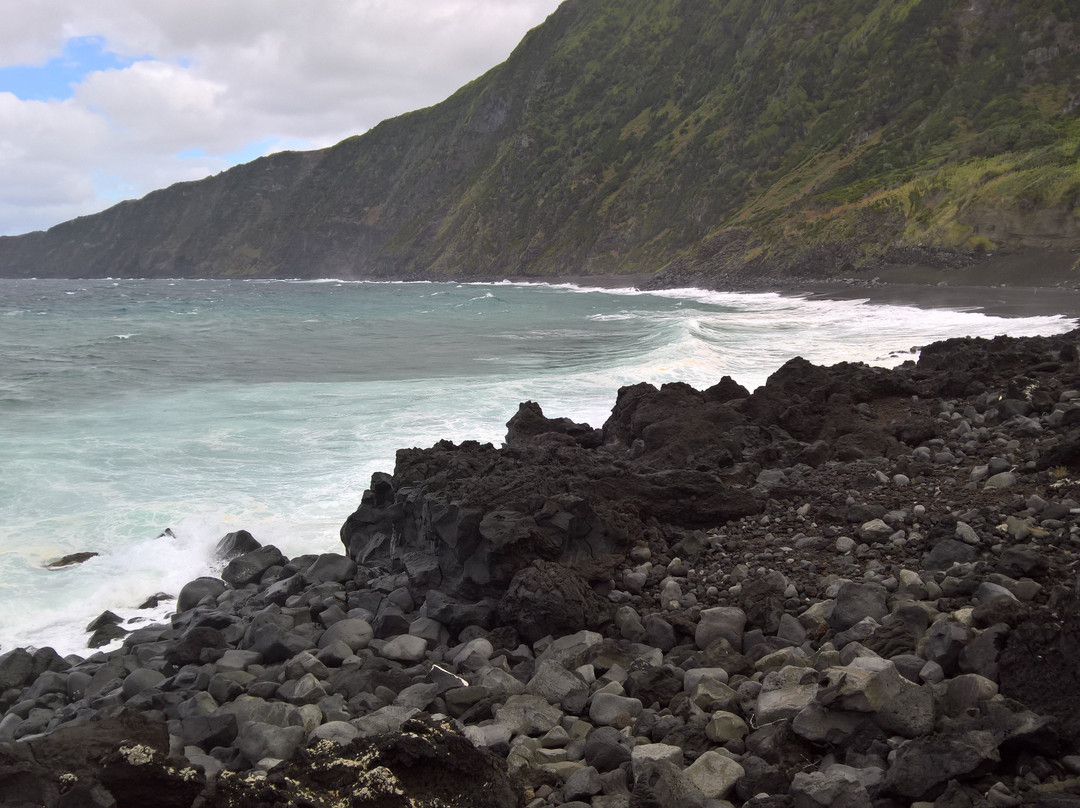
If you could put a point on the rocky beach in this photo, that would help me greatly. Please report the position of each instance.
(852, 586)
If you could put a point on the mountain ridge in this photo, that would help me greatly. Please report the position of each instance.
(726, 139)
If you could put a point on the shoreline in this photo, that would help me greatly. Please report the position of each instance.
(1025, 284)
(1010, 301)
(1000, 301)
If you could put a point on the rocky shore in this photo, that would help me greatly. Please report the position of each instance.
(850, 587)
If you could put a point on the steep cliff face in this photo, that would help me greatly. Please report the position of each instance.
(622, 135)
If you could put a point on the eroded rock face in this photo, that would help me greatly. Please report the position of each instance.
(464, 519)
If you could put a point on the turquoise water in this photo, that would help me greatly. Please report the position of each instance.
(129, 407)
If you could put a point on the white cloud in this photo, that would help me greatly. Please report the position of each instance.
(212, 78)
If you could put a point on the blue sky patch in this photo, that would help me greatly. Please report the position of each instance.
(54, 80)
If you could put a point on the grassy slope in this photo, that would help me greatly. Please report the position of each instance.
(761, 136)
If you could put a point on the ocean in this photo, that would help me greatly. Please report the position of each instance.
(128, 407)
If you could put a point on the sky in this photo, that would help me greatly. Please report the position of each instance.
(104, 100)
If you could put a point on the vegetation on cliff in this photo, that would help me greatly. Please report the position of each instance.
(735, 136)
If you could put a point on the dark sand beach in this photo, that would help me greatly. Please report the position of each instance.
(1024, 284)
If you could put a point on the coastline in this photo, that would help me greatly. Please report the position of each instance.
(1025, 284)
(720, 590)
(736, 612)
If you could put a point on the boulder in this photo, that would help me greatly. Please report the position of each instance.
(331, 567)
(194, 592)
(922, 767)
(355, 632)
(606, 749)
(784, 693)
(854, 602)
(721, 621)
(236, 543)
(549, 598)
(607, 708)
(249, 567)
(662, 783)
(559, 686)
(714, 774)
(404, 648)
(427, 761)
(528, 715)
(837, 787)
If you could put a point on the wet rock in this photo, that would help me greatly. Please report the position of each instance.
(71, 560)
(250, 566)
(331, 567)
(235, 544)
(195, 592)
(192, 647)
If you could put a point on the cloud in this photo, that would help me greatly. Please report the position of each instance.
(175, 91)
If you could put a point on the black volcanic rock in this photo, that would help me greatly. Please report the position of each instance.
(121, 758)
(548, 598)
(529, 423)
(1039, 665)
(427, 763)
(236, 543)
(869, 631)
(466, 518)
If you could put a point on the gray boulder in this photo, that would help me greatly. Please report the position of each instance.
(249, 567)
(193, 592)
(354, 632)
(258, 741)
(606, 749)
(728, 622)
(331, 567)
(923, 766)
(559, 686)
(854, 602)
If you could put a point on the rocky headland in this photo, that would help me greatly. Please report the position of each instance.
(851, 587)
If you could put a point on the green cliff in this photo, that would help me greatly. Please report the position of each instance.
(744, 138)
